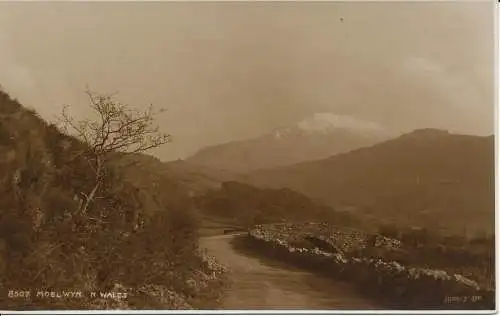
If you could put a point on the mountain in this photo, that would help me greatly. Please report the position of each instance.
(427, 177)
(319, 136)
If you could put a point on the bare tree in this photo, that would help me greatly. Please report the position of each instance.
(117, 128)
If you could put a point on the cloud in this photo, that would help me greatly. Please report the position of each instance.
(455, 88)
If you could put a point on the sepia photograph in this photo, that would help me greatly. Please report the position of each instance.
(248, 156)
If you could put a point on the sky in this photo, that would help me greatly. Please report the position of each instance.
(234, 70)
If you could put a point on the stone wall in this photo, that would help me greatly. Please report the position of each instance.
(390, 283)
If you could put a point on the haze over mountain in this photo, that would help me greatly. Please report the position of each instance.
(228, 71)
(319, 136)
(427, 177)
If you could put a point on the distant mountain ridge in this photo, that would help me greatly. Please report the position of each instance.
(320, 136)
(426, 177)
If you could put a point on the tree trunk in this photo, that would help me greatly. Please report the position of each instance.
(89, 198)
(99, 176)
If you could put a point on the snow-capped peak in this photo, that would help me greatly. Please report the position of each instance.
(326, 122)
(282, 132)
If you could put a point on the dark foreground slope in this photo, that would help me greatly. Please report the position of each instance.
(137, 238)
(427, 178)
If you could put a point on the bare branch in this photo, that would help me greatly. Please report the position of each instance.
(118, 128)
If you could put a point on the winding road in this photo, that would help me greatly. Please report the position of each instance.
(258, 283)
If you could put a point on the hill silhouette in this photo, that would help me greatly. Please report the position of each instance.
(246, 205)
(428, 178)
(314, 138)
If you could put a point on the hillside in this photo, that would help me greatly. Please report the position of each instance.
(244, 205)
(138, 236)
(318, 137)
(197, 179)
(428, 177)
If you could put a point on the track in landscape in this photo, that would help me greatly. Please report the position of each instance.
(259, 284)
